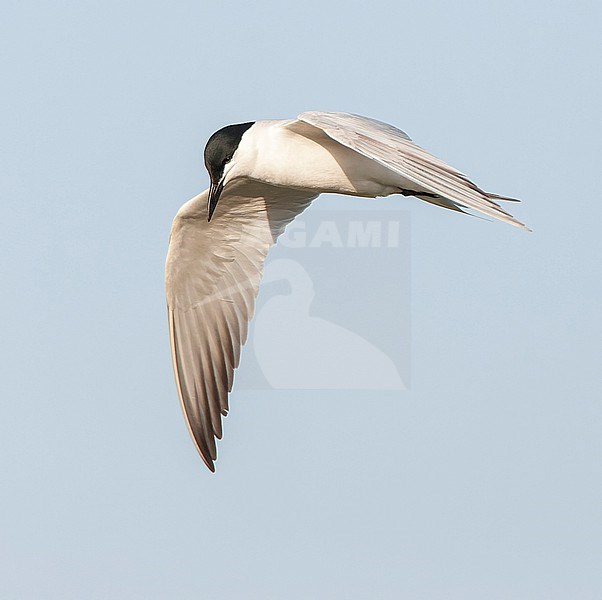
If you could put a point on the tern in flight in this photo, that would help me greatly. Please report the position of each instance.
(263, 174)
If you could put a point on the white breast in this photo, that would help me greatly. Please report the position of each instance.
(304, 157)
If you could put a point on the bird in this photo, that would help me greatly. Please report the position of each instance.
(262, 175)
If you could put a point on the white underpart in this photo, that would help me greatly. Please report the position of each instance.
(300, 156)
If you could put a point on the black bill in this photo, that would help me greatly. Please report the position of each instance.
(215, 190)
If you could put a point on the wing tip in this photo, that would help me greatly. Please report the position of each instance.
(207, 459)
(519, 224)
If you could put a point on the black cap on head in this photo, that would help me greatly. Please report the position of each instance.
(218, 153)
(221, 147)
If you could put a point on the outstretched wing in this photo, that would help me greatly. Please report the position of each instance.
(212, 277)
(393, 149)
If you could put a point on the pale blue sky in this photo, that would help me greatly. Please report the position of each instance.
(483, 481)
